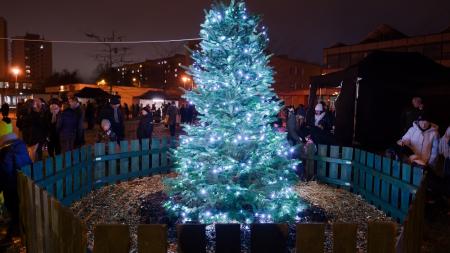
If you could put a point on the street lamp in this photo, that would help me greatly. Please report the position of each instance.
(185, 79)
(15, 71)
(101, 82)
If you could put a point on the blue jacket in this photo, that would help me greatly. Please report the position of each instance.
(13, 156)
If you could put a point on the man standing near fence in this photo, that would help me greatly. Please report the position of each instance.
(172, 112)
(13, 156)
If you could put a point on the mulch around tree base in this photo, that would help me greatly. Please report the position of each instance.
(139, 202)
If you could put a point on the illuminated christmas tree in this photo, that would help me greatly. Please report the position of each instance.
(233, 166)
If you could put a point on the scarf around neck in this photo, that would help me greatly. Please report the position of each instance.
(318, 118)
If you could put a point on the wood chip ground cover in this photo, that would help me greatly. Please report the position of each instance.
(139, 202)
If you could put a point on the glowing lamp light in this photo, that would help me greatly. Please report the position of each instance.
(101, 82)
(15, 71)
(185, 79)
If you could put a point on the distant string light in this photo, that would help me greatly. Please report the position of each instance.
(103, 42)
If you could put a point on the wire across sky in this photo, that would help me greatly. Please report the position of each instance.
(103, 42)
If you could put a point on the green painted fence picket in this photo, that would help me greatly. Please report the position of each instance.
(71, 176)
(387, 184)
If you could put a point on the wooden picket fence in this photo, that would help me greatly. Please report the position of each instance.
(48, 186)
(396, 188)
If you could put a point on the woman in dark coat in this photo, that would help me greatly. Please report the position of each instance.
(321, 130)
(52, 116)
(67, 127)
(145, 128)
(34, 129)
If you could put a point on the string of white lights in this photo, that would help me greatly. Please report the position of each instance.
(103, 42)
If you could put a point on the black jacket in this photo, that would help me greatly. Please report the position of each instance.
(117, 127)
(34, 128)
(145, 127)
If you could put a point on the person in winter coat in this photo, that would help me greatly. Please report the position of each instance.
(53, 114)
(79, 111)
(67, 127)
(126, 111)
(423, 139)
(172, 112)
(322, 118)
(34, 128)
(5, 113)
(90, 114)
(105, 134)
(444, 150)
(145, 128)
(322, 126)
(113, 113)
(13, 156)
(292, 128)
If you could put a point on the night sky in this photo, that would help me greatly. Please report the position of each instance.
(298, 28)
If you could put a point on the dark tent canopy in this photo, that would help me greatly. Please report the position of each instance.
(376, 91)
(87, 92)
(157, 95)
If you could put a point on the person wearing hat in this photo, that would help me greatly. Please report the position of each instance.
(105, 134)
(322, 125)
(115, 116)
(145, 127)
(13, 156)
(423, 140)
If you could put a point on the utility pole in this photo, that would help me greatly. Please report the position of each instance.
(110, 56)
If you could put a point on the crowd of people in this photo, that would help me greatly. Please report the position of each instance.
(420, 144)
(58, 125)
(319, 129)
